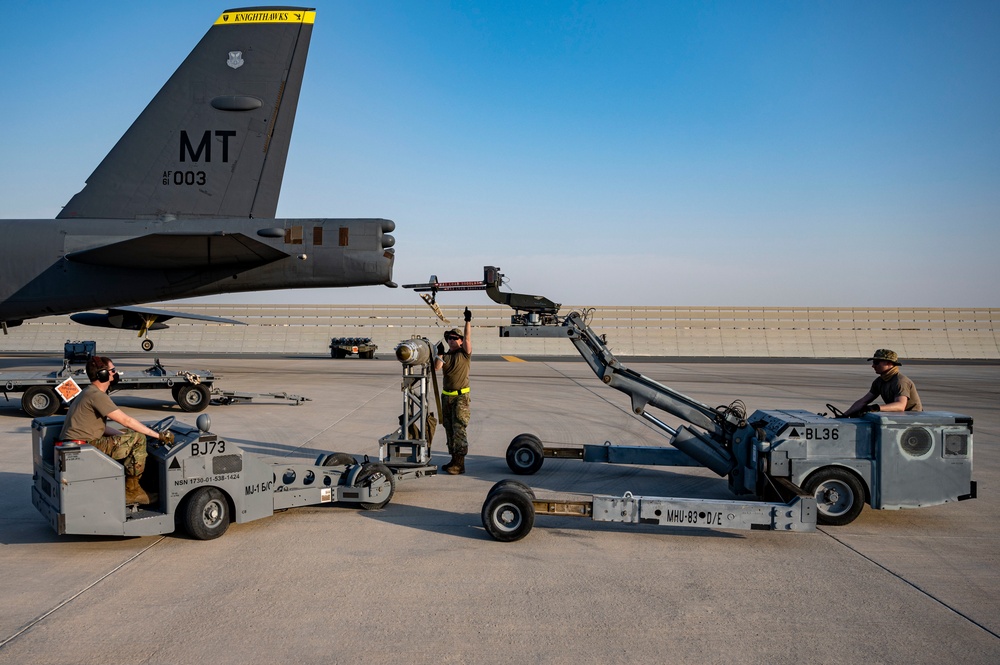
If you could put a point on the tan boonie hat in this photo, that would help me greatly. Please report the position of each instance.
(455, 332)
(885, 354)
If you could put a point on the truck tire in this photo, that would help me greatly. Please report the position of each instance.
(373, 472)
(508, 514)
(525, 454)
(339, 459)
(39, 401)
(193, 397)
(205, 513)
(840, 495)
(509, 483)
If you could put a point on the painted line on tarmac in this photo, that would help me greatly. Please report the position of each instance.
(39, 619)
(913, 585)
(514, 359)
(344, 417)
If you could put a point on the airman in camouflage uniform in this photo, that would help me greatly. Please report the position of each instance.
(897, 391)
(456, 402)
(87, 422)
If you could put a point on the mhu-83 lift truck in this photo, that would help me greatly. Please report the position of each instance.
(794, 466)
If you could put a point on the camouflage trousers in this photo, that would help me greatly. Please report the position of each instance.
(455, 413)
(129, 448)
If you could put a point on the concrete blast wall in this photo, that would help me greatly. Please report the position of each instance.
(745, 332)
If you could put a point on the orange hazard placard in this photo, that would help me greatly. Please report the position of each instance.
(68, 389)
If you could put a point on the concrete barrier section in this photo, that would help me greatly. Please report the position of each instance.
(681, 332)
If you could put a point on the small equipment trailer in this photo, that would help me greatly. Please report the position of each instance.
(794, 467)
(41, 391)
(45, 393)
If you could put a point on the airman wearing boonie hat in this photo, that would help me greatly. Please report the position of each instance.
(456, 403)
(897, 391)
(886, 354)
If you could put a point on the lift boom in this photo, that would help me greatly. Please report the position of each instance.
(805, 465)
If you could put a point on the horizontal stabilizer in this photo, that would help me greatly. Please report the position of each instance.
(142, 318)
(164, 314)
(164, 251)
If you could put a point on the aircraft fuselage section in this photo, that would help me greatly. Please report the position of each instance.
(77, 264)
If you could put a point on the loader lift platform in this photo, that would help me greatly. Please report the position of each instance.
(407, 450)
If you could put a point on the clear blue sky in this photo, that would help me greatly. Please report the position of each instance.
(636, 153)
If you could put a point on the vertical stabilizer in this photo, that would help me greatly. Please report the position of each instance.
(214, 140)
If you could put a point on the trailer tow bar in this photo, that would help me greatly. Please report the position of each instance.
(226, 397)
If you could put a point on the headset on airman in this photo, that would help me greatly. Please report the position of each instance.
(98, 369)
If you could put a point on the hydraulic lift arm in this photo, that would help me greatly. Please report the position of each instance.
(710, 447)
(536, 316)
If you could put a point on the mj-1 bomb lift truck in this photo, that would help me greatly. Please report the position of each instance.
(203, 482)
(796, 466)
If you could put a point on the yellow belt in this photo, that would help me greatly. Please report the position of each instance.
(452, 393)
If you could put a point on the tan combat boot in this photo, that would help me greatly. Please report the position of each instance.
(457, 465)
(133, 492)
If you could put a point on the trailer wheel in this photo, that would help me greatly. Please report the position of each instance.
(366, 354)
(508, 514)
(371, 474)
(193, 397)
(339, 459)
(510, 482)
(525, 455)
(206, 513)
(338, 353)
(840, 495)
(38, 401)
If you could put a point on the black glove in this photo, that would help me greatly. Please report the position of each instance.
(167, 438)
(870, 408)
(468, 315)
(440, 348)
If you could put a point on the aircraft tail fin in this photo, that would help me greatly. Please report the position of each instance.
(214, 139)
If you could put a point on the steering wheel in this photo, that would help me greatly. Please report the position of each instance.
(162, 424)
(837, 413)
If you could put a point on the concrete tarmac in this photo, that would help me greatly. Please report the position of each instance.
(422, 582)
